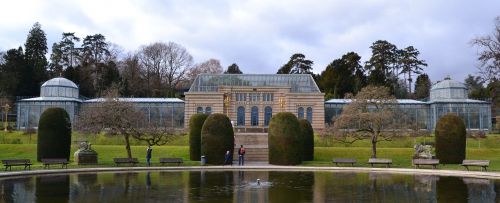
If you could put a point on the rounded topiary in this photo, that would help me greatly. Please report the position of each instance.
(217, 137)
(450, 138)
(54, 134)
(307, 134)
(285, 142)
(195, 125)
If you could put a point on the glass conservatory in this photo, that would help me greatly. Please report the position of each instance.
(63, 93)
(57, 92)
(447, 96)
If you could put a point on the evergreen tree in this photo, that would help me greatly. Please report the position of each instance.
(410, 64)
(64, 54)
(11, 70)
(35, 51)
(422, 86)
(476, 87)
(339, 76)
(233, 69)
(298, 64)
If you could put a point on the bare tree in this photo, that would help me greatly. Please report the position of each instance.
(164, 64)
(370, 115)
(117, 117)
(489, 54)
(212, 66)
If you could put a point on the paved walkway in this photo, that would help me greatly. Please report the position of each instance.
(251, 166)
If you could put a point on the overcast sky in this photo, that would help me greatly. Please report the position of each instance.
(260, 36)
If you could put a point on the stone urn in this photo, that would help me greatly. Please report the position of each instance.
(85, 155)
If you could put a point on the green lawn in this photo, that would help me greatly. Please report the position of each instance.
(17, 145)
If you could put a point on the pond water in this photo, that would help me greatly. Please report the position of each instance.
(243, 186)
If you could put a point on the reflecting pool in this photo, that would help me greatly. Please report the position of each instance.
(247, 186)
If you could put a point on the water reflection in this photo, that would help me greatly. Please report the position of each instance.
(241, 186)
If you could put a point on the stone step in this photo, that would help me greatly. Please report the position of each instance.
(255, 144)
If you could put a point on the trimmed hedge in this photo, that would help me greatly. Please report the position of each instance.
(307, 134)
(54, 134)
(285, 141)
(217, 137)
(195, 124)
(450, 135)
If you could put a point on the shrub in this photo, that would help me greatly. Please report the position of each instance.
(285, 143)
(195, 124)
(54, 134)
(450, 139)
(307, 134)
(217, 137)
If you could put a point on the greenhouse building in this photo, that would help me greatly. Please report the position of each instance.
(250, 100)
(447, 96)
(63, 93)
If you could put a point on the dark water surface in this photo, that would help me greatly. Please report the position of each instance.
(242, 186)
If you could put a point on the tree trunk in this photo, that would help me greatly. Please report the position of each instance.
(127, 146)
(374, 147)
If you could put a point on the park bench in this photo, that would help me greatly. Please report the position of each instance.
(373, 161)
(178, 161)
(344, 161)
(8, 163)
(132, 161)
(47, 162)
(429, 162)
(481, 163)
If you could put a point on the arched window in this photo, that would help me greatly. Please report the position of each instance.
(254, 116)
(241, 116)
(268, 113)
(300, 113)
(208, 110)
(199, 109)
(309, 114)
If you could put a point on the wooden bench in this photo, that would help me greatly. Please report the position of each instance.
(8, 163)
(429, 162)
(178, 161)
(344, 161)
(132, 161)
(387, 162)
(481, 163)
(47, 162)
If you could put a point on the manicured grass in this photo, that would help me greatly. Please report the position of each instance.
(401, 157)
(322, 157)
(106, 153)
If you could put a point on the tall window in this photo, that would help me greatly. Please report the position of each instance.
(241, 116)
(300, 113)
(199, 109)
(268, 113)
(208, 110)
(310, 114)
(254, 116)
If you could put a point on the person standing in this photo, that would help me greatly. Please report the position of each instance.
(149, 151)
(227, 158)
(241, 156)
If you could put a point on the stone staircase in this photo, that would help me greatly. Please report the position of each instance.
(256, 147)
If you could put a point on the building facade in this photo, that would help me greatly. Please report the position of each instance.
(63, 93)
(251, 100)
(447, 96)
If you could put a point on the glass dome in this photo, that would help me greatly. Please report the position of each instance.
(59, 87)
(448, 89)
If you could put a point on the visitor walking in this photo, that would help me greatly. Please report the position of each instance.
(227, 158)
(148, 155)
(241, 156)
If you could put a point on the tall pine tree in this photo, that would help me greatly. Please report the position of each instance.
(36, 62)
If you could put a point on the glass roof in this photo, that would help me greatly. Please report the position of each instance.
(303, 83)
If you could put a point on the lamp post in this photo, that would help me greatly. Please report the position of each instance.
(282, 103)
(227, 101)
(6, 107)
